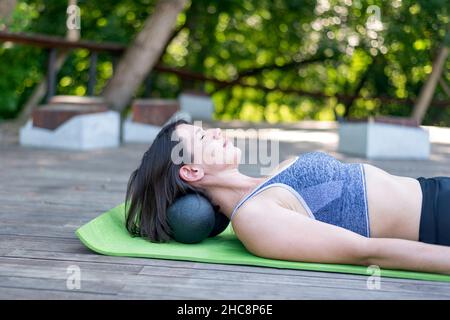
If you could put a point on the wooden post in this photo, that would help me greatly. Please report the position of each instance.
(148, 85)
(114, 60)
(51, 74)
(92, 73)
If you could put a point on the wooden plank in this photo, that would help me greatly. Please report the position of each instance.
(4, 251)
(36, 230)
(47, 41)
(47, 204)
(212, 289)
(52, 200)
(44, 209)
(33, 180)
(51, 216)
(103, 287)
(237, 273)
(39, 294)
(73, 250)
(11, 243)
(165, 263)
(107, 281)
(19, 266)
(78, 184)
(136, 285)
(62, 186)
(410, 286)
(59, 170)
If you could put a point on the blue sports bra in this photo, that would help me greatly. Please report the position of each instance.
(331, 191)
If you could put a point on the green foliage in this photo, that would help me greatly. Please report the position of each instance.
(258, 43)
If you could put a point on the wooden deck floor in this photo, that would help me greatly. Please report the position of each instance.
(46, 195)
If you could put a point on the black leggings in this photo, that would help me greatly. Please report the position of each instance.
(435, 215)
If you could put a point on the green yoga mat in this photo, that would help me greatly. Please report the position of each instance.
(107, 235)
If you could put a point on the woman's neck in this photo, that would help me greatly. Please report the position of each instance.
(229, 187)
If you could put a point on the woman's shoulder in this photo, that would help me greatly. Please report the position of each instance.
(273, 196)
(282, 165)
(252, 209)
(259, 210)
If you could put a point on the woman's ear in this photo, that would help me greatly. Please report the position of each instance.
(191, 173)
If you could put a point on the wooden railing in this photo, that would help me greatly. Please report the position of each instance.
(53, 43)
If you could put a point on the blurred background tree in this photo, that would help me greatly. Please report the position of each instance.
(353, 53)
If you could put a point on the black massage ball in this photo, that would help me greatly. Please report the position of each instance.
(193, 219)
(221, 223)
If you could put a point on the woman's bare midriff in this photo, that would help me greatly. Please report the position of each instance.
(394, 203)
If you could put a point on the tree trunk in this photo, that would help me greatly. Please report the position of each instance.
(426, 94)
(143, 53)
(6, 9)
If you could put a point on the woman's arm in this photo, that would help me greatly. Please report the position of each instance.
(409, 255)
(271, 231)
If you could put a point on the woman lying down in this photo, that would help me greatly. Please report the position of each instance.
(312, 208)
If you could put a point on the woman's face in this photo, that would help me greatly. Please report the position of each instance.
(210, 149)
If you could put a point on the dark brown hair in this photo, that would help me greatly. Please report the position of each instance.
(154, 186)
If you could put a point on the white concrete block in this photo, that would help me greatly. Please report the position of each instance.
(82, 132)
(200, 107)
(146, 133)
(139, 132)
(375, 140)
